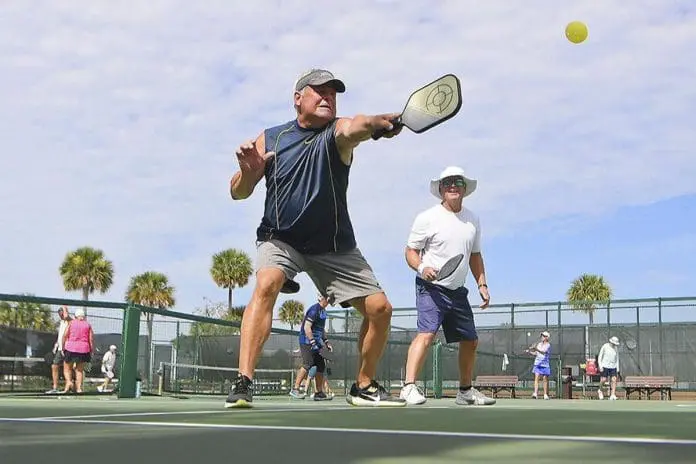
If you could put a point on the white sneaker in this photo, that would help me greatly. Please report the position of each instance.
(600, 394)
(612, 397)
(546, 397)
(534, 396)
(473, 397)
(412, 394)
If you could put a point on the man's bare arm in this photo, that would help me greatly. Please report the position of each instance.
(477, 268)
(351, 132)
(251, 170)
(413, 258)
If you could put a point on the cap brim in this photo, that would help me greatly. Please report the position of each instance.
(335, 83)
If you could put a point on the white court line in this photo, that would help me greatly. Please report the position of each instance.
(175, 413)
(424, 433)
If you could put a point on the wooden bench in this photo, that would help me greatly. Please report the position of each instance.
(497, 383)
(649, 385)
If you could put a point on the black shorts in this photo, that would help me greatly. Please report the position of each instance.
(71, 357)
(312, 358)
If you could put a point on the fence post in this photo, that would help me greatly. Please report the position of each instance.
(437, 369)
(660, 337)
(560, 354)
(129, 359)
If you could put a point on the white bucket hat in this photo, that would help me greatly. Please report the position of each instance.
(614, 341)
(449, 172)
(545, 333)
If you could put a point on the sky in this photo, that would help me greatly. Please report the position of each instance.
(120, 121)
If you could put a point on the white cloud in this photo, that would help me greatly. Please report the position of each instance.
(120, 121)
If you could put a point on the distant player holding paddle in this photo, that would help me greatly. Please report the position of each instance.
(445, 233)
(306, 163)
(312, 340)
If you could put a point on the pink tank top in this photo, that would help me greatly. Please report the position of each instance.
(78, 339)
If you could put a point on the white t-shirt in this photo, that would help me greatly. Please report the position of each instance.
(608, 357)
(441, 234)
(109, 360)
(63, 325)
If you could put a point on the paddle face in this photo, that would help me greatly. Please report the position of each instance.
(433, 104)
(450, 266)
(430, 105)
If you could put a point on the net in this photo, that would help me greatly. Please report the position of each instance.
(213, 380)
(24, 374)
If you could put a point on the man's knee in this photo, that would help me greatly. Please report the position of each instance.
(268, 283)
(377, 307)
(425, 338)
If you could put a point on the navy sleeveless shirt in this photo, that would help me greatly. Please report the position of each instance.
(306, 186)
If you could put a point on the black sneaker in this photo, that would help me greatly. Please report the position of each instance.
(373, 395)
(240, 394)
(320, 396)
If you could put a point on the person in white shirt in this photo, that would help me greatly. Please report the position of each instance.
(58, 351)
(608, 362)
(107, 367)
(439, 233)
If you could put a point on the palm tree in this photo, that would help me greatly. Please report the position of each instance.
(291, 312)
(585, 291)
(230, 269)
(87, 269)
(27, 315)
(150, 289)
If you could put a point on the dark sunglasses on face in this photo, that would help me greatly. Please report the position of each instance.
(457, 182)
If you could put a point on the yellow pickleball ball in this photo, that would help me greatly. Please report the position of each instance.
(576, 32)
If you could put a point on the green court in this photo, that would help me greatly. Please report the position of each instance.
(190, 430)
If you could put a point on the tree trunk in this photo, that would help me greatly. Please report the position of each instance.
(85, 296)
(229, 299)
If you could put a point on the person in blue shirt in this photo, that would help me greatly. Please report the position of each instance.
(542, 365)
(312, 338)
(306, 227)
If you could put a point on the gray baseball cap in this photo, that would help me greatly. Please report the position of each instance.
(319, 77)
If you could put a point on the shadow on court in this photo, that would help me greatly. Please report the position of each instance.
(189, 432)
(69, 443)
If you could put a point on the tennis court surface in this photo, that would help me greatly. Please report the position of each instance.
(196, 430)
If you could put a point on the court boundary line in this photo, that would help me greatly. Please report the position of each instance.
(425, 433)
(175, 413)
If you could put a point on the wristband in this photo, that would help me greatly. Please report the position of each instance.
(421, 266)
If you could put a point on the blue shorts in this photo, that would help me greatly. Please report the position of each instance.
(608, 373)
(438, 306)
(542, 370)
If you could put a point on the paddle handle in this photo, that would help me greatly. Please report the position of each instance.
(396, 122)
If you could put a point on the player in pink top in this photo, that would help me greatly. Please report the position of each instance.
(78, 342)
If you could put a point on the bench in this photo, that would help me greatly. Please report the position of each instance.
(649, 385)
(497, 383)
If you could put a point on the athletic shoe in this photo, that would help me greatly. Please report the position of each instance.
(600, 394)
(373, 395)
(546, 397)
(240, 394)
(299, 394)
(473, 397)
(412, 394)
(612, 398)
(534, 396)
(320, 396)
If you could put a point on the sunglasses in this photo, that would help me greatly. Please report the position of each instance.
(457, 181)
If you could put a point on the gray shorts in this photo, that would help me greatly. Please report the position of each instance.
(340, 276)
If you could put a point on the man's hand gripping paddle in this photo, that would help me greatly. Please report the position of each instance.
(429, 106)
